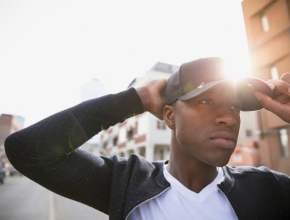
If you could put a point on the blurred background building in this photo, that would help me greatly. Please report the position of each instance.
(267, 24)
(8, 125)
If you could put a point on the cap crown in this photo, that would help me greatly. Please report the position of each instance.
(193, 74)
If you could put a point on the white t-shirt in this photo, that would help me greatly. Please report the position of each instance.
(180, 203)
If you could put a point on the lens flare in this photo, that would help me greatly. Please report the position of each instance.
(236, 69)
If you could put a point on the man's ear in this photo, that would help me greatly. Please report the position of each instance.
(168, 116)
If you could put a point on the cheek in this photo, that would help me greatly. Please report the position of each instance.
(188, 130)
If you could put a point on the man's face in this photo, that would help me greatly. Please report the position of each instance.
(206, 127)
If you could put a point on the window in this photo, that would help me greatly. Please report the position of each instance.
(105, 144)
(249, 133)
(115, 140)
(274, 72)
(237, 158)
(284, 142)
(130, 133)
(161, 125)
(265, 23)
(161, 154)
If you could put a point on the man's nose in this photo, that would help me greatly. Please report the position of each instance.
(227, 116)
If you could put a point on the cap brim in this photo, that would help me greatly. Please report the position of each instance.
(246, 87)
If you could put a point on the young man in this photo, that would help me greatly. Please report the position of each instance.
(201, 106)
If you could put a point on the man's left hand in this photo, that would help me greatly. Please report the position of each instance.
(280, 105)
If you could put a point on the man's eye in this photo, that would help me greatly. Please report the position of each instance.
(236, 108)
(206, 101)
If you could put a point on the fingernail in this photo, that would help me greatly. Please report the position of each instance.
(272, 86)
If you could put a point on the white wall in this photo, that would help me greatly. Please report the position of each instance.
(248, 121)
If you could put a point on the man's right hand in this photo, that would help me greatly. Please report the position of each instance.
(152, 96)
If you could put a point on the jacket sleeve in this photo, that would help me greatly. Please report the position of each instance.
(47, 153)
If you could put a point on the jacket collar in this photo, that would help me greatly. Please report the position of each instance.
(227, 184)
(160, 178)
(229, 181)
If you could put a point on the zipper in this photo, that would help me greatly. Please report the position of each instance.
(146, 201)
(228, 201)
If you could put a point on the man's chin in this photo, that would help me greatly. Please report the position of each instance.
(220, 163)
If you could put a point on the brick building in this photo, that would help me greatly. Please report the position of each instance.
(8, 125)
(246, 154)
(267, 24)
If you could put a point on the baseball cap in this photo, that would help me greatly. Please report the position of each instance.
(195, 77)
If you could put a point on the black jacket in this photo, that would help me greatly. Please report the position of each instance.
(47, 153)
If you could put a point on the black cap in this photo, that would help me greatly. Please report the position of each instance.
(196, 77)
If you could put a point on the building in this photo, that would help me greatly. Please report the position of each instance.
(8, 125)
(267, 24)
(246, 154)
(143, 134)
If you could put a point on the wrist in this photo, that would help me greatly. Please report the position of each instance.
(144, 95)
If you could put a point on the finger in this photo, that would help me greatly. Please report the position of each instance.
(279, 86)
(264, 99)
(277, 108)
(286, 77)
(272, 86)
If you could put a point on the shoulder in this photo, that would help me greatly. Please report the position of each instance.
(136, 163)
(244, 170)
(259, 173)
(139, 172)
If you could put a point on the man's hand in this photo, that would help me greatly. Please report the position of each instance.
(280, 105)
(152, 96)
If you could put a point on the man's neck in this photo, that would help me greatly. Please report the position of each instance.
(194, 175)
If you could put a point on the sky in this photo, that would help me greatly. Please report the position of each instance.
(50, 49)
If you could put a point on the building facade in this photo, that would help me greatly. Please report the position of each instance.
(267, 24)
(246, 154)
(8, 125)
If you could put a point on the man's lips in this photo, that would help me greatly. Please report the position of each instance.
(224, 139)
(224, 135)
